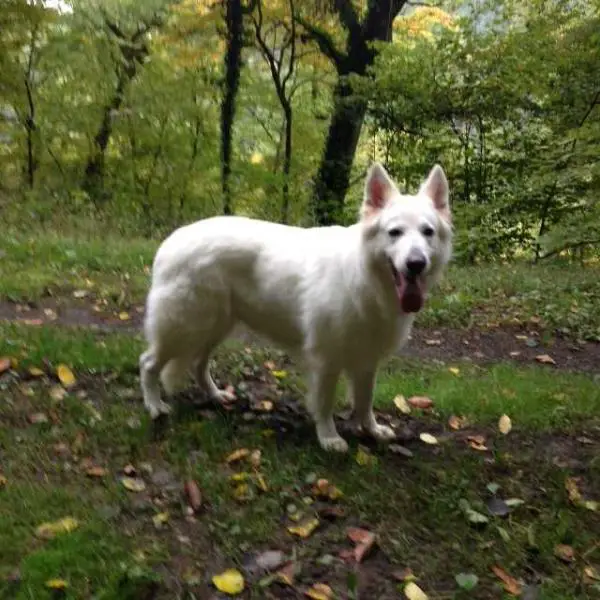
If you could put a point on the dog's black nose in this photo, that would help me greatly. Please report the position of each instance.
(416, 264)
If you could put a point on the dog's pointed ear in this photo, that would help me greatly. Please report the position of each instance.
(378, 190)
(436, 187)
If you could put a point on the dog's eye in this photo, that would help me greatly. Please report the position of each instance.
(395, 233)
(428, 231)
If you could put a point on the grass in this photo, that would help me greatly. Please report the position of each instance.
(413, 505)
(552, 295)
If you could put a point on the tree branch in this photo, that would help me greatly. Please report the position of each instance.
(570, 247)
(324, 41)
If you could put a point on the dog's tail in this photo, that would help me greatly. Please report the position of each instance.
(174, 375)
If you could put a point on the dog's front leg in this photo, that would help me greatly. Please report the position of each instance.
(362, 384)
(320, 403)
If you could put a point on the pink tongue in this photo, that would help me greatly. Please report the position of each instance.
(410, 294)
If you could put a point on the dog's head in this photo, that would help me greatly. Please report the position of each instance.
(409, 237)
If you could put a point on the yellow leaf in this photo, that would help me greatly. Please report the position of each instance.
(49, 530)
(571, 485)
(454, 370)
(305, 528)
(255, 458)
(592, 573)
(57, 584)
(124, 316)
(279, 374)
(413, 592)
(593, 505)
(160, 519)
(256, 158)
(35, 372)
(364, 457)
(504, 424)
(265, 406)
(427, 438)
(261, 483)
(239, 477)
(65, 375)
(230, 582)
(401, 404)
(3, 481)
(133, 485)
(319, 591)
(237, 455)
(242, 493)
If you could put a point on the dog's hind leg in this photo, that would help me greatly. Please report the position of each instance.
(150, 368)
(362, 383)
(320, 403)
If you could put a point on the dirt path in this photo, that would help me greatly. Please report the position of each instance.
(443, 344)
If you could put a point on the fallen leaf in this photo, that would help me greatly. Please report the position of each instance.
(457, 423)
(427, 438)
(37, 418)
(96, 471)
(433, 342)
(592, 573)
(124, 316)
(511, 585)
(255, 457)
(65, 375)
(498, 507)
(57, 393)
(287, 574)
(230, 582)
(454, 371)
(49, 530)
(129, 470)
(364, 457)
(477, 442)
(242, 493)
(264, 406)
(5, 364)
(35, 371)
(401, 404)
(405, 574)
(269, 364)
(319, 591)
(592, 505)
(279, 374)
(545, 359)
(261, 483)
(324, 489)
(32, 322)
(305, 528)
(420, 402)
(401, 450)
(237, 455)
(514, 502)
(239, 477)
(515, 353)
(413, 592)
(564, 552)
(270, 560)
(133, 484)
(571, 485)
(364, 541)
(3, 481)
(159, 519)
(80, 294)
(57, 584)
(194, 496)
(466, 581)
(504, 424)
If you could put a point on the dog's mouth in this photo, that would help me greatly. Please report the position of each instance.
(410, 290)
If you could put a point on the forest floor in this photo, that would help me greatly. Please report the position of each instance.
(459, 506)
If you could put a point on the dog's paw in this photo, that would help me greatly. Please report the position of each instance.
(334, 444)
(156, 410)
(382, 433)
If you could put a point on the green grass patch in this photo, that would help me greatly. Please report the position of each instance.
(557, 296)
(413, 505)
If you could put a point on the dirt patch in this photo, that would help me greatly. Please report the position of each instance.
(444, 344)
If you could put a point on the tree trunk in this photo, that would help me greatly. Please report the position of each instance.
(333, 176)
(287, 164)
(234, 15)
(93, 180)
(349, 111)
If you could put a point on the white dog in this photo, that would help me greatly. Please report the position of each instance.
(341, 298)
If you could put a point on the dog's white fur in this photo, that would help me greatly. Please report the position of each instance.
(325, 294)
